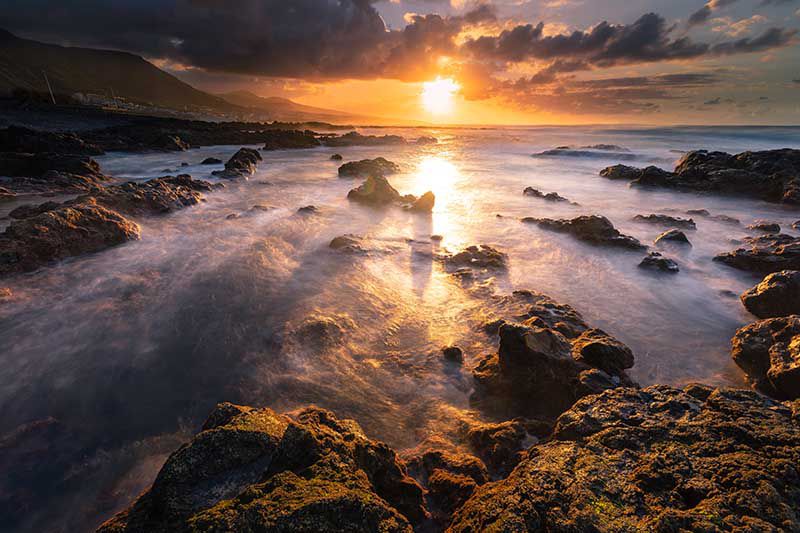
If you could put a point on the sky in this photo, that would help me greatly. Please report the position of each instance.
(496, 61)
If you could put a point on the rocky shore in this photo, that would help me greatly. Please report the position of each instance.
(559, 436)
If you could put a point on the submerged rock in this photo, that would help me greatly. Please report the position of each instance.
(368, 168)
(770, 175)
(348, 243)
(656, 261)
(777, 295)
(336, 157)
(672, 236)
(241, 165)
(356, 139)
(593, 229)
(766, 254)
(769, 353)
(29, 244)
(307, 210)
(550, 197)
(211, 161)
(454, 354)
(657, 459)
(255, 470)
(481, 257)
(666, 220)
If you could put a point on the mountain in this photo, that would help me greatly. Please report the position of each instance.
(70, 70)
(285, 110)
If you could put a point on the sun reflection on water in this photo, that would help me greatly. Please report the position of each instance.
(436, 173)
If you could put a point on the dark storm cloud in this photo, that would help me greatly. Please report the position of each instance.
(771, 38)
(704, 13)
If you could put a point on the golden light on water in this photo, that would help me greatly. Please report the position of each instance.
(437, 174)
(438, 95)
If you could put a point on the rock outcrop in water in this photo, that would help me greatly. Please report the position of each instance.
(291, 140)
(765, 254)
(593, 229)
(356, 139)
(49, 173)
(769, 175)
(58, 234)
(368, 167)
(656, 261)
(765, 226)
(769, 353)
(550, 197)
(242, 164)
(376, 191)
(255, 470)
(657, 459)
(666, 220)
(777, 295)
(673, 236)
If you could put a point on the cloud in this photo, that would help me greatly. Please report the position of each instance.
(703, 14)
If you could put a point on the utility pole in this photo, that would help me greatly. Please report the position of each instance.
(53, 98)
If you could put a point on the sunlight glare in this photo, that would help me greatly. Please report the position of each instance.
(437, 174)
(437, 95)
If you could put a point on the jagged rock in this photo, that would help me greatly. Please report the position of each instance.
(672, 236)
(766, 254)
(255, 470)
(770, 175)
(211, 161)
(241, 165)
(423, 204)
(376, 191)
(550, 197)
(777, 295)
(593, 229)
(621, 172)
(657, 459)
(291, 140)
(769, 353)
(449, 491)
(27, 141)
(438, 454)
(481, 257)
(377, 167)
(356, 139)
(453, 354)
(336, 157)
(666, 220)
(656, 261)
(765, 226)
(31, 243)
(499, 445)
(535, 374)
(47, 172)
(719, 218)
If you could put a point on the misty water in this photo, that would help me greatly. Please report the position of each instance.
(132, 347)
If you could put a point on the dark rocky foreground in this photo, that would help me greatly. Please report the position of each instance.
(772, 175)
(765, 254)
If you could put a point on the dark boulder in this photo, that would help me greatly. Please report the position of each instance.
(656, 261)
(765, 226)
(454, 354)
(769, 353)
(255, 470)
(666, 220)
(765, 254)
(777, 295)
(368, 168)
(621, 172)
(672, 236)
(211, 161)
(29, 244)
(153, 197)
(658, 459)
(24, 140)
(376, 191)
(550, 197)
(597, 348)
(593, 229)
(242, 165)
(50, 172)
(423, 204)
(480, 257)
(336, 157)
(356, 139)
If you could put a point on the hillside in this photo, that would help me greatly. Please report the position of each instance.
(284, 109)
(82, 70)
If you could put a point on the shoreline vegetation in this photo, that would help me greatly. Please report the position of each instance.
(569, 442)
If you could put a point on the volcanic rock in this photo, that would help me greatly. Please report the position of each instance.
(376, 191)
(241, 165)
(423, 204)
(368, 168)
(672, 236)
(769, 353)
(777, 295)
(656, 261)
(290, 140)
(593, 229)
(766, 254)
(211, 161)
(356, 139)
(765, 226)
(24, 140)
(666, 220)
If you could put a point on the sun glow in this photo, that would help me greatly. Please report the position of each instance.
(437, 174)
(437, 95)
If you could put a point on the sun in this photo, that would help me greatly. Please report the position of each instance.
(437, 95)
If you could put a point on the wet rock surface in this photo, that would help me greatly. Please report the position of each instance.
(49, 172)
(656, 261)
(368, 168)
(765, 226)
(765, 254)
(550, 197)
(66, 232)
(770, 175)
(376, 191)
(255, 470)
(477, 256)
(211, 161)
(666, 220)
(242, 164)
(672, 236)
(769, 353)
(657, 459)
(593, 229)
(777, 295)
(423, 204)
